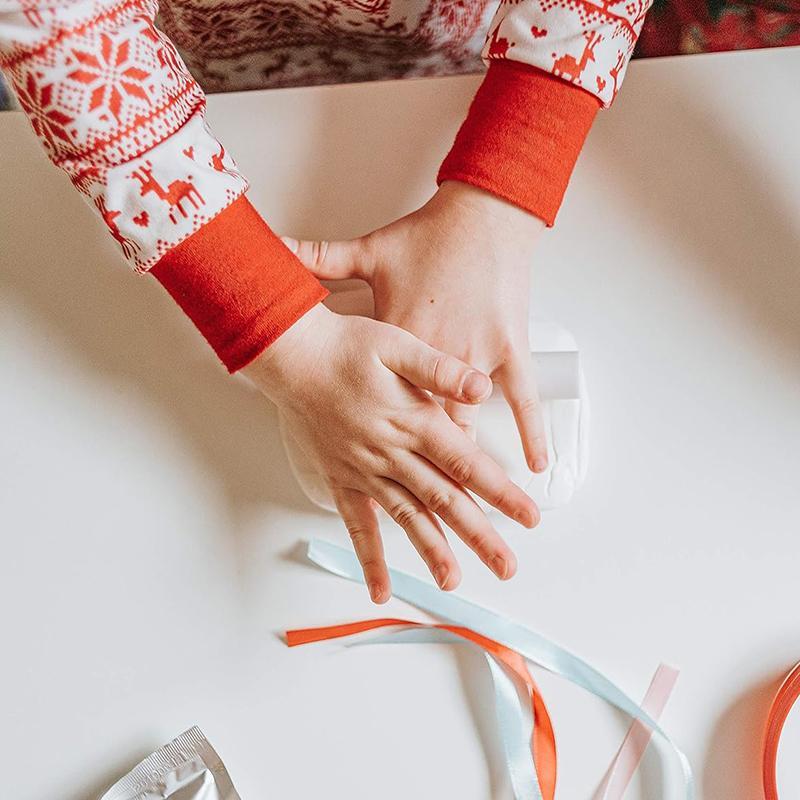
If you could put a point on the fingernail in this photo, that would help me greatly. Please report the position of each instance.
(476, 386)
(375, 592)
(440, 575)
(499, 566)
(525, 518)
(540, 465)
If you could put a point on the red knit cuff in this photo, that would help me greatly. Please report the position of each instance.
(522, 136)
(238, 283)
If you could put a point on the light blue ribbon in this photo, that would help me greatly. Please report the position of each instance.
(514, 717)
(531, 645)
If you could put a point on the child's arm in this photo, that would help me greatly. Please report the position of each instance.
(552, 65)
(115, 107)
(456, 272)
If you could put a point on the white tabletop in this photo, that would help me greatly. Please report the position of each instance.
(150, 524)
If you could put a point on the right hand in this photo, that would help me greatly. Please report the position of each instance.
(354, 394)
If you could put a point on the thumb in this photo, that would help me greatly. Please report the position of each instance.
(443, 375)
(330, 260)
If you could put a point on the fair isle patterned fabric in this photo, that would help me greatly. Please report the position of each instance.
(248, 44)
(584, 42)
(232, 45)
(245, 44)
(261, 44)
(115, 108)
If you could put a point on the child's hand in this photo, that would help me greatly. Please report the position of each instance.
(352, 392)
(456, 274)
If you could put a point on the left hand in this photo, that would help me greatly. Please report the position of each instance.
(456, 274)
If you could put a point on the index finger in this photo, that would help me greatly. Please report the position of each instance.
(519, 387)
(447, 446)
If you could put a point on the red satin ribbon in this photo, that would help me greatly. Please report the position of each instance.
(543, 742)
(781, 706)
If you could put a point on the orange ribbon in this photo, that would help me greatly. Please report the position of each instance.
(781, 706)
(543, 742)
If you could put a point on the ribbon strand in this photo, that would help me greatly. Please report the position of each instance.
(532, 769)
(526, 643)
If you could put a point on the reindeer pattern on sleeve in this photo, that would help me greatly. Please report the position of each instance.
(585, 42)
(115, 107)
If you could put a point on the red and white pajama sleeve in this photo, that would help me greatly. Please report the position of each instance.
(115, 108)
(552, 65)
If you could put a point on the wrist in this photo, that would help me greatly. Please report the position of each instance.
(288, 359)
(522, 136)
(238, 283)
(490, 208)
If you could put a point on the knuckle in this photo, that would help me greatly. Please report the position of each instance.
(404, 513)
(439, 501)
(478, 542)
(371, 564)
(529, 406)
(395, 464)
(461, 468)
(319, 252)
(501, 498)
(375, 454)
(425, 434)
(389, 464)
(359, 534)
(431, 554)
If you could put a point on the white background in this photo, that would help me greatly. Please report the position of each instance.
(150, 524)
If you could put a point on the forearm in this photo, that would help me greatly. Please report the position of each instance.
(239, 284)
(550, 70)
(521, 138)
(117, 110)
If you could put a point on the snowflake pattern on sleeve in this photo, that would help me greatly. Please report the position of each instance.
(115, 107)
